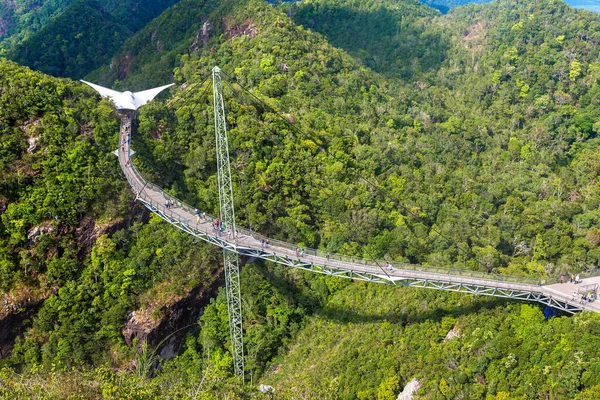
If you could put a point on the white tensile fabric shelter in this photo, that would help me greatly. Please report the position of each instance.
(128, 100)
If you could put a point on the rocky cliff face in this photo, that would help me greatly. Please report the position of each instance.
(14, 323)
(6, 17)
(176, 320)
(18, 306)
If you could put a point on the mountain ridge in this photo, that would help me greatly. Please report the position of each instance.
(32, 28)
(493, 146)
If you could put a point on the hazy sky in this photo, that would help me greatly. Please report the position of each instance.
(592, 5)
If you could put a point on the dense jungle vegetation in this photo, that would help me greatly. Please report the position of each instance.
(43, 35)
(481, 126)
(148, 58)
(62, 48)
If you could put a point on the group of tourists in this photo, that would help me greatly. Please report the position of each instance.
(198, 215)
(126, 133)
(170, 203)
(573, 278)
(126, 136)
(586, 297)
(219, 226)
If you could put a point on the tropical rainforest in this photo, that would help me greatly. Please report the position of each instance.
(372, 128)
(41, 34)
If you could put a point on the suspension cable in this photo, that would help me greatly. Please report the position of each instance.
(467, 252)
(278, 140)
(185, 98)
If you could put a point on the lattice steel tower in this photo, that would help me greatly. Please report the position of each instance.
(232, 271)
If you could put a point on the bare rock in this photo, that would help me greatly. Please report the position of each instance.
(16, 310)
(13, 325)
(3, 204)
(266, 389)
(453, 333)
(123, 65)
(35, 232)
(409, 389)
(32, 141)
(474, 38)
(246, 28)
(202, 37)
(173, 321)
(170, 348)
(89, 230)
(29, 128)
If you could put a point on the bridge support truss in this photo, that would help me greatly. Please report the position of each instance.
(439, 282)
(232, 271)
(395, 277)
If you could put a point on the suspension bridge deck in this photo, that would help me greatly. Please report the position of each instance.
(252, 244)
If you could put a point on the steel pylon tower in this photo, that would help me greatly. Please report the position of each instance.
(232, 271)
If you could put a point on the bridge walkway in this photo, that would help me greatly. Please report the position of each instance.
(254, 245)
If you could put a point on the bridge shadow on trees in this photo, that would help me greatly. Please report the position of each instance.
(345, 315)
(387, 41)
(348, 304)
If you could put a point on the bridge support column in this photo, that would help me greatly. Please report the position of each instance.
(232, 271)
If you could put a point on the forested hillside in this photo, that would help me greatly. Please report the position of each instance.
(467, 141)
(369, 342)
(42, 34)
(149, 57)
(499, 131)
(388, 37)
(62, 193)
(62, 48)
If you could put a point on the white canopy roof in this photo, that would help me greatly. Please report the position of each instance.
(128, 100)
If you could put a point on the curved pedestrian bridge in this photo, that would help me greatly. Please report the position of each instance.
(562, 296)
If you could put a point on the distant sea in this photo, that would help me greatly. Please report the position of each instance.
(591, 5)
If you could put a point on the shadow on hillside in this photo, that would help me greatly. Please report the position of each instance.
(292, 292)
(385, 41)
(345, 315)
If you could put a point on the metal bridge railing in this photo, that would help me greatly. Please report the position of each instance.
(382, 265)
(140, 185)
